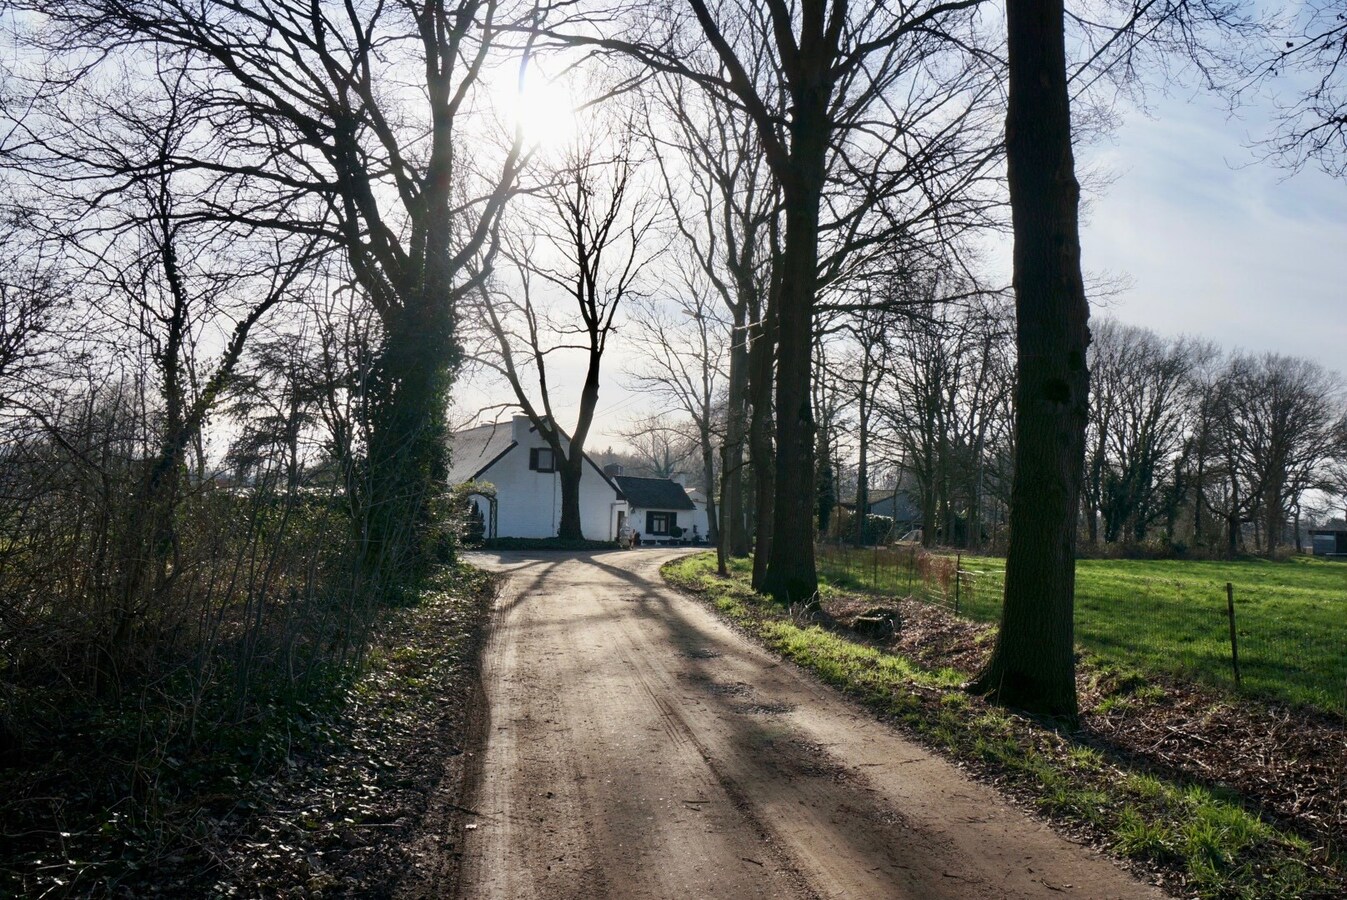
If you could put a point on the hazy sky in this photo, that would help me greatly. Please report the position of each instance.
(1215, 243)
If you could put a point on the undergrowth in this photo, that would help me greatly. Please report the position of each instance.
(1202, 841)
(129, 798)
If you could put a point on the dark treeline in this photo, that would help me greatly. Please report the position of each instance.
(1190, 448)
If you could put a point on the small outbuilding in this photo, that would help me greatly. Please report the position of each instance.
(1329, 542)
(661, 510)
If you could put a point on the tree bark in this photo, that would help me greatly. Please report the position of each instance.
(733, 537)
(1274, 519)
(791, 573)
(709, 488)
(863, 468)
(1033, 664)
(570, 528)
(762, 336)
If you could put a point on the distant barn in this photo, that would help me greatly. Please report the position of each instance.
(1329, 541)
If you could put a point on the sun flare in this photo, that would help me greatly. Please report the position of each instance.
(545, 110)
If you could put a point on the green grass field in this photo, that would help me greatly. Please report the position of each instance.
(1165, 615)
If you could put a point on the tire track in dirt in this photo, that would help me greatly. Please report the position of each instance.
(639, 748)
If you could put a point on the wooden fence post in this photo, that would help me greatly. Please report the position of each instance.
(1234, 641)
(958, 568)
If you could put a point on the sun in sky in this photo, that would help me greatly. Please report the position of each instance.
(543, 107)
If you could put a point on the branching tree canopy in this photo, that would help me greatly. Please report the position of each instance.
(1309, 48)
(874, 121)
(574, 262)
(725, 206)
(1278, 420)
(343, 122)
(1138, 414)
(681, 366)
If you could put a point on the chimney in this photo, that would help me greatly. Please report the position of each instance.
(519, 429)
(612, 470)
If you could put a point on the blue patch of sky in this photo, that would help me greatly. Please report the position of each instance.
(1217, 242)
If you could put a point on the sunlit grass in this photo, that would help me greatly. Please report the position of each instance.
(1170, 616)
(1220, 848)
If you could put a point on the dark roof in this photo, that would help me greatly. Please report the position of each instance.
(473, 451)
(654, 493)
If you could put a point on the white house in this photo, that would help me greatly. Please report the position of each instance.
(700, 519)
(517, 461)
(660, 509)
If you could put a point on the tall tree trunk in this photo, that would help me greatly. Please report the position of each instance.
(733, 537)
(573, 467)
(569, 475)
(863, 469)
(790, 571)
(763, 336)
(1232, 518)
(1199, 496)
(408, 458)
(1033, 664)
(928, 506)
(709, 488)
(1273, 519)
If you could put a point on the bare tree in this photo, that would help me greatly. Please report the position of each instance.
(590, 251)
(684, 368)
(848, 173)
(1310, 42)
(1033, 664)
(947, 412)
(660, 447)
(141, 231)
(724, 204)
(1279, 420)
(302, 133)
(1139, 412)
(863, 368)
(34, 292)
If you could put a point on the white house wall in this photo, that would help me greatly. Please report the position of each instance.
(696, 517)
(528, 503)
(687, 518)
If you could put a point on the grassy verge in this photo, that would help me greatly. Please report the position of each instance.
(1164, 615)
(302, 796)
(1200, 841)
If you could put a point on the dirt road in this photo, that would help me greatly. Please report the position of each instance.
(638, 747)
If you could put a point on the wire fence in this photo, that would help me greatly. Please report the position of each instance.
(1275, 630)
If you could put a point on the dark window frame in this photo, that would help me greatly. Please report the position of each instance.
(535, 459)
(668, 519)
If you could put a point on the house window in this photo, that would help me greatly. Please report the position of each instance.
(540, 460)
(660, 522)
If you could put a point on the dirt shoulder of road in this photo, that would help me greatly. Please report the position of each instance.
(1194, 834)
(375, 812)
